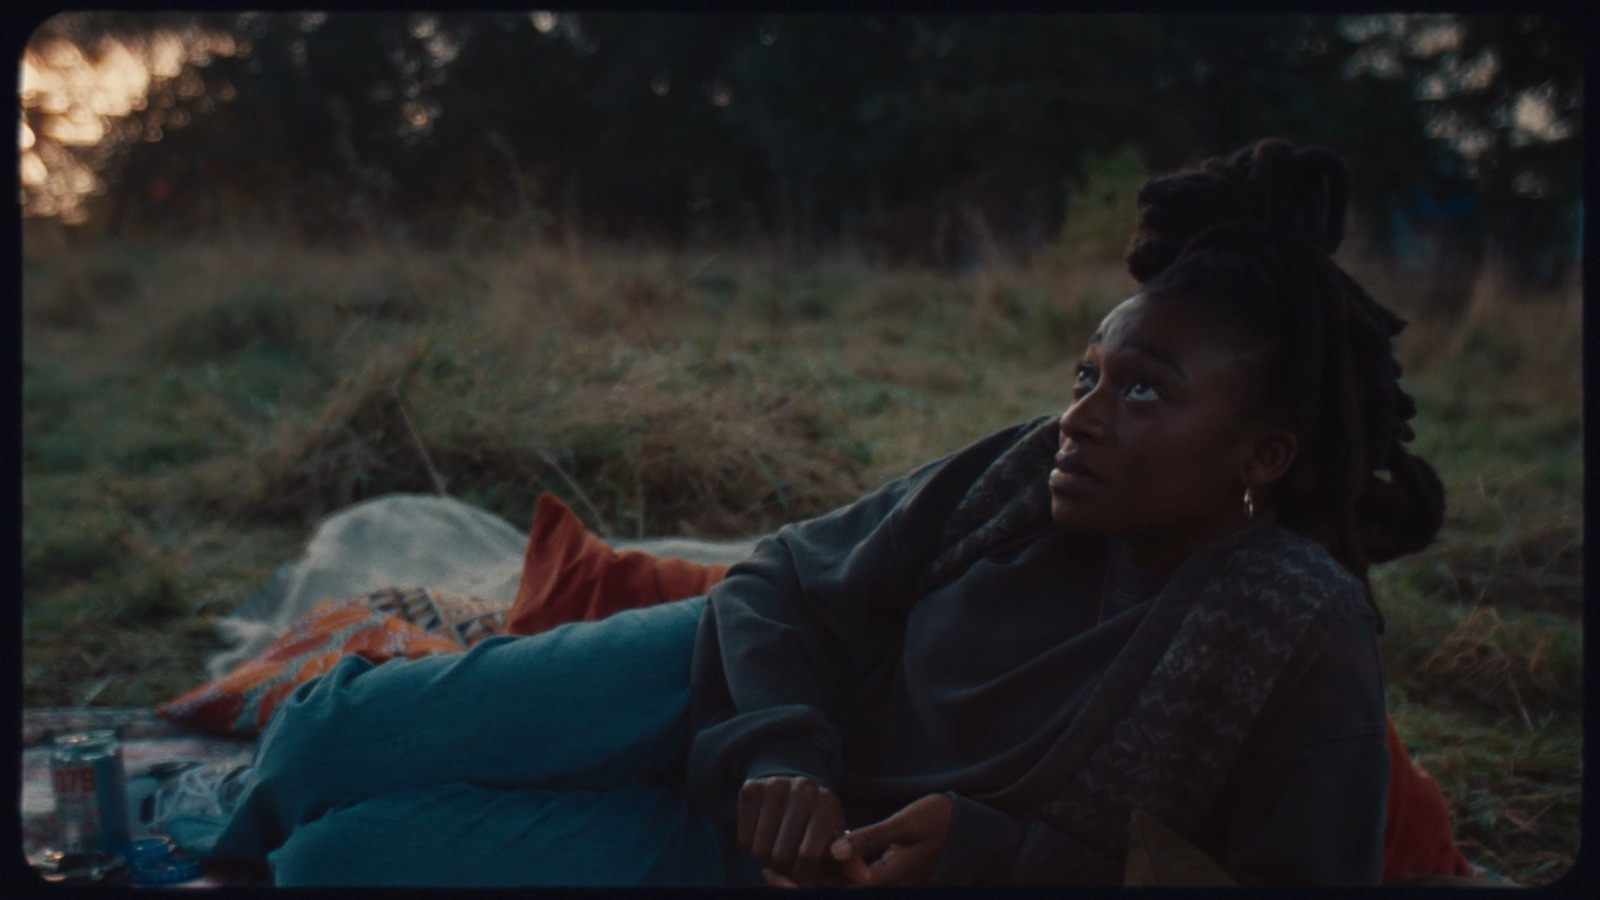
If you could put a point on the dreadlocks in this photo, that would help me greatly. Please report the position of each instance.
(1248, 238)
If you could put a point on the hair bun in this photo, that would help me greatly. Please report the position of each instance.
(1300, 193)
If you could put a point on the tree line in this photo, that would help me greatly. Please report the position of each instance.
(917, 137)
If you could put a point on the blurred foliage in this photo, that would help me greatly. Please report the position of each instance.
(917, 137)
(1101, 205)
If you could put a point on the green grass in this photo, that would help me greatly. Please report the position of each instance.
(191, 411)
(1514, 792)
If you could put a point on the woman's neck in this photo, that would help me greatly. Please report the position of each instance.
(1163, 554)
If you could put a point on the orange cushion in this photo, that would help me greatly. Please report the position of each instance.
(569, 575)
(1417, 839)
(380, 626)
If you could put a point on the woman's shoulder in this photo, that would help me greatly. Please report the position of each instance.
(1297, 569)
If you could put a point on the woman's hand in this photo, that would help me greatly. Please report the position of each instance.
(787, 825)
(901, 850)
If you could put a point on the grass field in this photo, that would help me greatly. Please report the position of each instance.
(190, 411)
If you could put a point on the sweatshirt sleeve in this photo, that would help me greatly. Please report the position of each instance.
(989, 846)
(1305, 805)
(790, 632)
(1307, 799)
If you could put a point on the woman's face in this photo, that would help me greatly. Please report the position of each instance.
(1155, 450)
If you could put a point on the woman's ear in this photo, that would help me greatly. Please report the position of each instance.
(1272, 454)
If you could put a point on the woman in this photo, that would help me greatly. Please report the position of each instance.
(1156, 602)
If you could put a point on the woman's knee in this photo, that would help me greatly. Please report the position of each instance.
(309, 723)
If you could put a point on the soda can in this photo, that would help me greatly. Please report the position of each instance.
(90, 787)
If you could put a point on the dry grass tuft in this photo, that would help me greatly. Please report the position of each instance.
(1536, 334)
(726, 461)
(905, 294)
(1485, 659)
(358, 435)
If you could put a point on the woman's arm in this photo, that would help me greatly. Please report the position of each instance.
(1306, 801)
(789, 631)
(789, 634)
(991, 846)
(949, 839)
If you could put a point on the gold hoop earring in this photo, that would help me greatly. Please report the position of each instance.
(1249, 505)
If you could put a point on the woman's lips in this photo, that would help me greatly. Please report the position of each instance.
(1071, 474)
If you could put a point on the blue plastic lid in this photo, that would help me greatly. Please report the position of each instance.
(173, 869)
(150, 849)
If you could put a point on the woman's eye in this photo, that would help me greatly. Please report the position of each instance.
(1142, 390)
(1085, 382)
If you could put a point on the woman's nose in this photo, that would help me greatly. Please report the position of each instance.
(1081, 422)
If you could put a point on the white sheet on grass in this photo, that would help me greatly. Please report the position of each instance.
(408, 541)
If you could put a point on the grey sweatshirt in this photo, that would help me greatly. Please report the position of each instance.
(815, 657)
